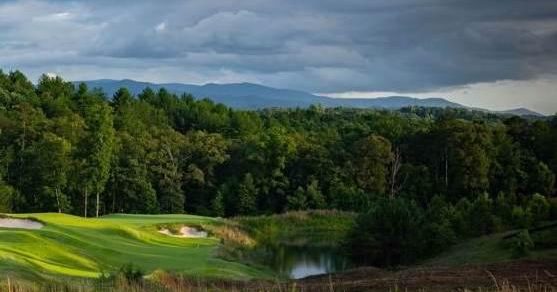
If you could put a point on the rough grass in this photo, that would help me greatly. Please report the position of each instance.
(70, 246)
(318, 227)
(497, 248)
(421, 281)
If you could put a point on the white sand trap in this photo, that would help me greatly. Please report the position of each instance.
(20, 223)
(187, 232)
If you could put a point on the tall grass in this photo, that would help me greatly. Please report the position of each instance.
(167, 282)
(327, 227)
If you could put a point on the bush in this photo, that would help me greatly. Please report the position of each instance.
(7, 194)
(522, 244)
(460, 218)
(438, 229)
(520, 218)
(539, 208)
(388, 235)
(348, 198)
(131, 273)
(480, 218)
(504, 207)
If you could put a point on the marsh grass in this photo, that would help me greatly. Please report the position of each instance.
(327, 227)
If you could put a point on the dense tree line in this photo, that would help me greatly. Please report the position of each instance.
(66, 148)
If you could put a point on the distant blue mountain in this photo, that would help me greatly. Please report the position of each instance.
(254, 96)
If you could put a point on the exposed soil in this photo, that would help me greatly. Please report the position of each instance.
(19, 223)
(524, 275)
(185, 231)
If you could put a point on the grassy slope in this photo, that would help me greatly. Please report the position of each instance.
(495, 248)
(73, 246)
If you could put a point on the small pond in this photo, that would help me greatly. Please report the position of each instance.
(299, 262)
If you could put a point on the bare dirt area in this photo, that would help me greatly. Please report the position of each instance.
(524, 275)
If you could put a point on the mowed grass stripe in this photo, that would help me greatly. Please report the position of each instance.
(73, 246)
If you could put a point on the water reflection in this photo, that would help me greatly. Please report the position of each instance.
(301, 261)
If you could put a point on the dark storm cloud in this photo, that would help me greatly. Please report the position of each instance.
(317, 45)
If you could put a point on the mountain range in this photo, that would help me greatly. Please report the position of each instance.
(255, 96)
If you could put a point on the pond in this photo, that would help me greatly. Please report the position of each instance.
(298, 262)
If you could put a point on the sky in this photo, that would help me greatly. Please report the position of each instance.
(492, 54)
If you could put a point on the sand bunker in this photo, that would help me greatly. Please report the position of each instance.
(20, 223)
(185, 231)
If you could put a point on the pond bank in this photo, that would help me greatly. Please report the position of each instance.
(293, 244)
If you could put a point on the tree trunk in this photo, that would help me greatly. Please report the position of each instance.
(98, 199)
(113, 201)
(395, 168)
(85, 210)
(446, 168)
(57, 192)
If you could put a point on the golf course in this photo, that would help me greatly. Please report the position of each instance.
(71, 246)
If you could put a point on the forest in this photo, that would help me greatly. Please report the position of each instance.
(432, 174)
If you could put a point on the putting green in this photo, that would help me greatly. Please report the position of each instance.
(73, 246)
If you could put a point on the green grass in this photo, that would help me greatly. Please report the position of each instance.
(77, 247)
(496, 248)
(317, 227)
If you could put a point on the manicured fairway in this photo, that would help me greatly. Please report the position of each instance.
(73, 246)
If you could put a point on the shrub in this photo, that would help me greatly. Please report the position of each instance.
(504, 207)
(460, 218)
(438, 229)
(539, 208)
(520, 218)
(348, 198)
(522, 244)
(480, 216)
(131, 273)
(7, 194)
(388, 235)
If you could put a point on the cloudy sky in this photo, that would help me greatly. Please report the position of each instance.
(494, 54)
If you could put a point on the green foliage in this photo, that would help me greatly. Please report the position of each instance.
(522, 244)
(539, 208)
(297, 201)
(308, 198)
(326, 227)
(218, 204)
(316, 198)
(247, 196)
(7, 198)
(373, 155)
(438, 226)
(389, 234)
(520, 218)
(69, 148)
(480, 216)
(130, 272)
